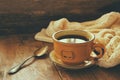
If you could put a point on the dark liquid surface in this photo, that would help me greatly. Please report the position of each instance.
(72, 39)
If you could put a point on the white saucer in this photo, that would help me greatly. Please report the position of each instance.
(85, 64)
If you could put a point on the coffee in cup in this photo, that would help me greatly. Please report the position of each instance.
(75, 46)
(72, 39)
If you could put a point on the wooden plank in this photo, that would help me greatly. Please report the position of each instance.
(29, 16)
(90, 73)
(83, 74)
(52, 7)
(14, 49)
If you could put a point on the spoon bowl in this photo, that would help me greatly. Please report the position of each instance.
(40, 52)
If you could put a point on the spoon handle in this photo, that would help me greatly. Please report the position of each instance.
(18, 67)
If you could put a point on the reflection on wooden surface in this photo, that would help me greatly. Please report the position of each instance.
(15, 48)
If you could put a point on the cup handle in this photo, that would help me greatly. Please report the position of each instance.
(99, 50)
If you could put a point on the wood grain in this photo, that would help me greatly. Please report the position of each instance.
(28, 16)
(91, 73)
(15, 48)
(53, 7)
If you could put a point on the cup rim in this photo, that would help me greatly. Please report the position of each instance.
(53, 36)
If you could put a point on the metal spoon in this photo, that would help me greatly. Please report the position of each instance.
(38, 53)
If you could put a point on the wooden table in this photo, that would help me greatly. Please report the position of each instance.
(15, 48)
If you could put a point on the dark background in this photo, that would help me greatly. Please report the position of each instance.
(29, 16)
